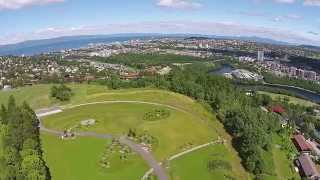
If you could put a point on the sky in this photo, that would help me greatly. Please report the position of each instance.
(293, 21)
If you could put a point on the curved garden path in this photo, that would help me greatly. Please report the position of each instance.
(147, 156)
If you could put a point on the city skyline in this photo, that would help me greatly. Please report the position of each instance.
(293, 21)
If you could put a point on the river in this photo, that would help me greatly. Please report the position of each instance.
(308, 95)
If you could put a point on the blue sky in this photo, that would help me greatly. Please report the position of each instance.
(295, 21)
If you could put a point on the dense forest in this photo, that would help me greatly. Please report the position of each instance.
(20, 146)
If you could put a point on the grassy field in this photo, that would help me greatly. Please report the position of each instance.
(38, 96)
(120, 117)
(79, 159)
(291, 99)
(197, 127)
(194, 165)
(283, 166)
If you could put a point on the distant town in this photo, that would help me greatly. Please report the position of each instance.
(83, 64)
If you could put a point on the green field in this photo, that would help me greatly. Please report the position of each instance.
(38, 96)
(291, 99)
(190, 126)
(283, 166)
(79, 159)
(194, 165)
(118, 118)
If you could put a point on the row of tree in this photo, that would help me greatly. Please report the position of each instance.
(21, 157)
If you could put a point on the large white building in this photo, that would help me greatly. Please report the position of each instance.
(260, 56)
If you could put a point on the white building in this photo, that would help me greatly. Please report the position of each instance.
(260, 56)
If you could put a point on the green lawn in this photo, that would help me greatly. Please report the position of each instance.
(38, 96)
(118, 118)
(283, 165)
(194, 165)
(291, 99)
(198, 126)
(79, 160)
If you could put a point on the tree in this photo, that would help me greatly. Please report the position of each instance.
(22, 157)
(32, 166)
(62, 92)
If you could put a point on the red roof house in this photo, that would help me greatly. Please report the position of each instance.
(301, 143)
(307, 167)
(278, 109)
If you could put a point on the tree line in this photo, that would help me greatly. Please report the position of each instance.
(20, 152)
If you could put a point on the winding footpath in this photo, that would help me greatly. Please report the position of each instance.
(147, 156)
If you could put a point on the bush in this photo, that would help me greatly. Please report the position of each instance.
(156, 114)
(218, 165)
(62, 92)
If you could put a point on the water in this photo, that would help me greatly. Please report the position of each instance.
(222, 70)
(314, 97)
(54, 45)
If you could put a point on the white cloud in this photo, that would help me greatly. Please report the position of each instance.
(285, 1)
(312, 2)
(179, 4)
(17, 4)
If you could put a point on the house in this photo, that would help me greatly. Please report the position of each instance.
(278, 109)
(7, 88)
(129, 76)
(301, 143)
(307, 167)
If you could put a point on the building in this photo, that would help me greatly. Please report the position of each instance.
(7, 88)
(300, 73)
(260, 56)
(310, 75)
(307, 167)
(129, 76)
(301, 143)
(293, 71)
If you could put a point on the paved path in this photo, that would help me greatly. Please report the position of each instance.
(136, 102)
(153, 163)
(150, 171)
(147, 156)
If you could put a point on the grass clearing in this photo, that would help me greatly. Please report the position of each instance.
(38, 97)
(79, 160)
(283, 166)
(291, 99)
(118, 118)
(195, 165)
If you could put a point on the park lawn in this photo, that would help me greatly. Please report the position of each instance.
(79, 159)
(194, 165)
(293, 100)
(38, 97)
(173, 133)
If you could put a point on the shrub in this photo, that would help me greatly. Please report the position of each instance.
(156, 114)
(218, 165)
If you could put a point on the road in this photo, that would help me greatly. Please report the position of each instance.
(147, 156)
